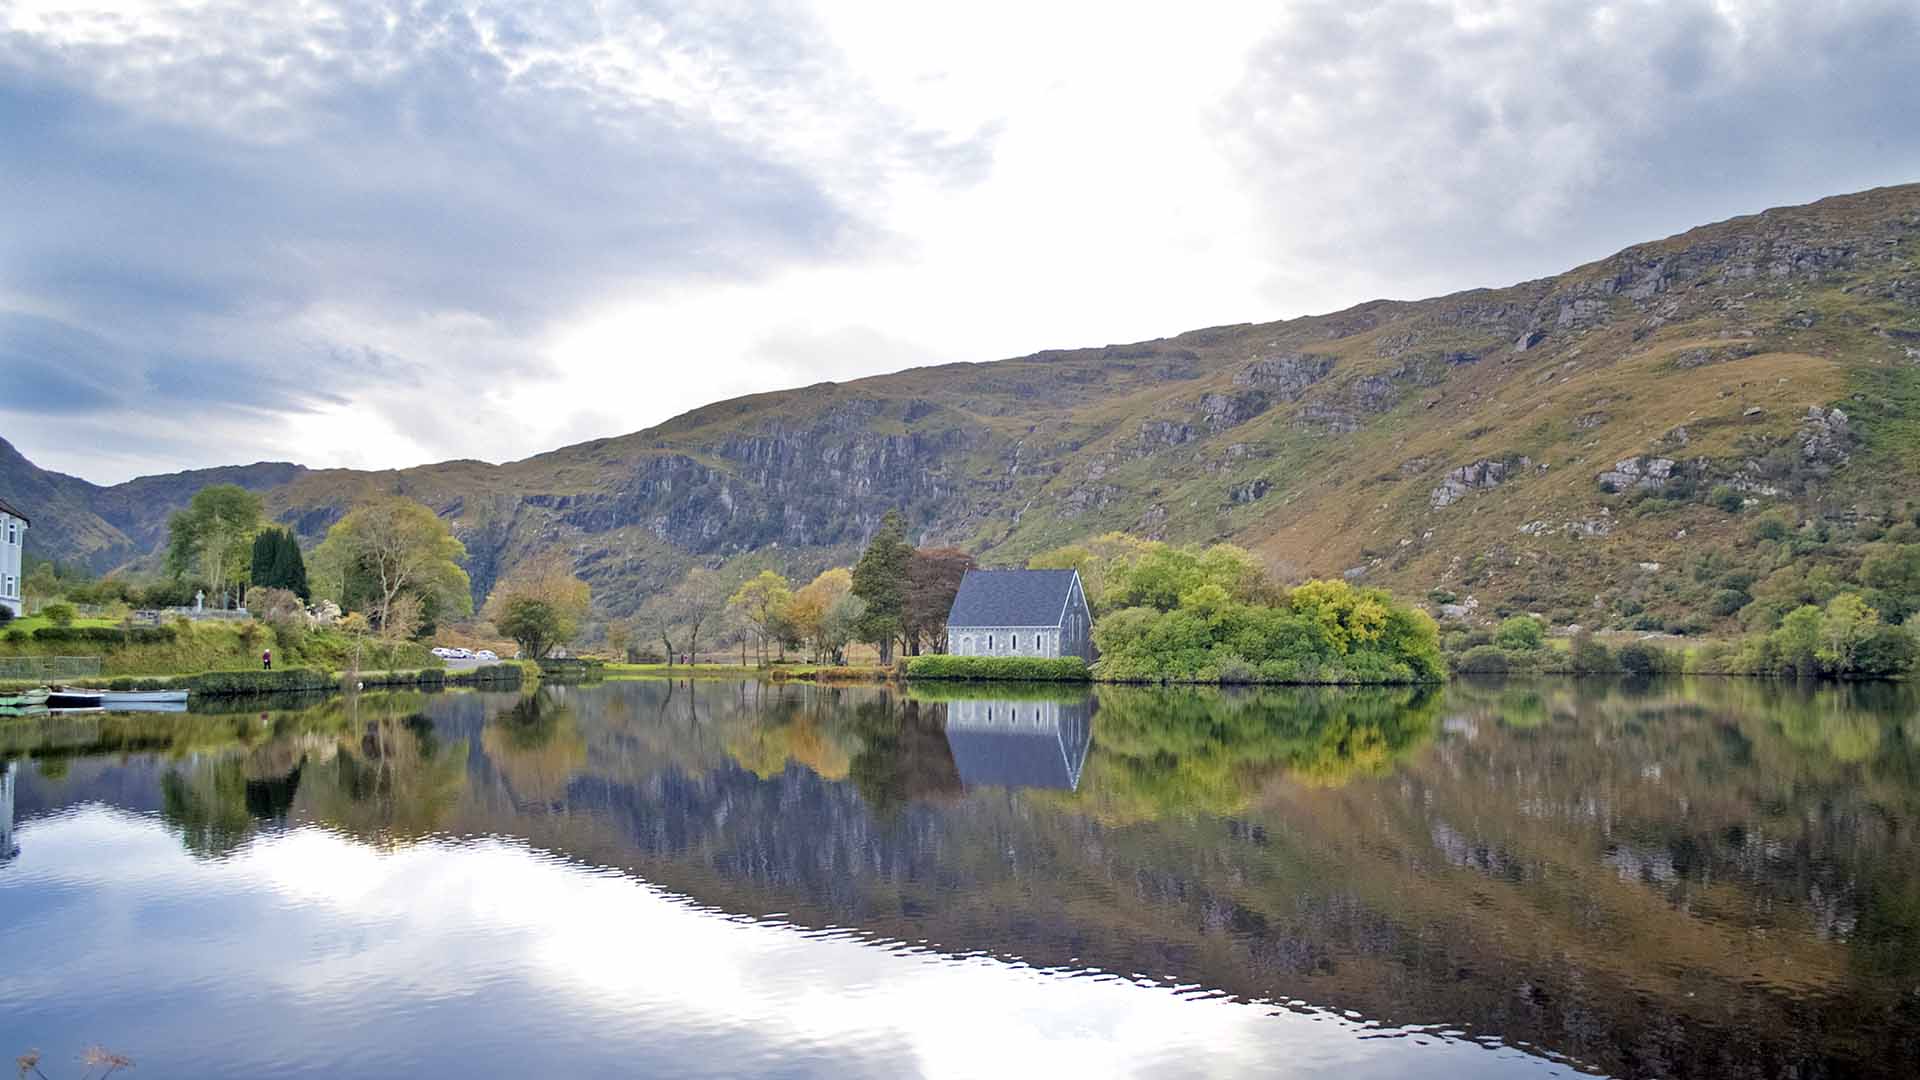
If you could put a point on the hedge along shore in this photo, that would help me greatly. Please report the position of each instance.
(315, 680)
(999, 668)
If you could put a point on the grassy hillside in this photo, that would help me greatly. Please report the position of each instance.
(1574, 445)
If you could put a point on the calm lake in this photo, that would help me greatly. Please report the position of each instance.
(1688, 879)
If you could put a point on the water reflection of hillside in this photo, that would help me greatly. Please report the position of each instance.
(1706, 879)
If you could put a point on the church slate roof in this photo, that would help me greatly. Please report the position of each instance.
(1037, 758)
(1011, 598)
(7, 508)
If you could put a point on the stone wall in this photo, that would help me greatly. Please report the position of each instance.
(1003, 641)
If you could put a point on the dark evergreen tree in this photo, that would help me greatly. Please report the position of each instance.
(266, 549)
(880, 579)
(277, 562)
(293, 566)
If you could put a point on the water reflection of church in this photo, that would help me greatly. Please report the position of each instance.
(1020, 744)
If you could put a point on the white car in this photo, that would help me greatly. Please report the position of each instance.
(485, 654)
(442, 652)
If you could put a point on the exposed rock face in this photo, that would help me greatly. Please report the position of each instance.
(1286, 376)
(1825, 437)
(1163, 434)
(1221, 411)
(1251, 491)
(1321, 418)
(1587, 528)
(1482, 475)
(1528, 340)
(1640, 472)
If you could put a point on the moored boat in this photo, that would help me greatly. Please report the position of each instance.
(66, 697)
(24, 699)
(73, 697)
(143, 697)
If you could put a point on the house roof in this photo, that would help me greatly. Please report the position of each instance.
(7, 508)
(1011, 598)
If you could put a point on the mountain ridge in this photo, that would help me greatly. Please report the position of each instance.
(1458, 442)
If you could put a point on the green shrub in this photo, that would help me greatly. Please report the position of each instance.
(1522, 633)
(1641, 658)
(1726, 498)
(1686, 625)
(1023, 668)
(1727, 602)
(1483, 660)
(1587, 656)
(60, 615)
(1772, 527)
(6, 614)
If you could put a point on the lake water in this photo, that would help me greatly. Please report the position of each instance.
(1711, 878)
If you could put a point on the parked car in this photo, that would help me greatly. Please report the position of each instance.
(442, 652)
(486, 654)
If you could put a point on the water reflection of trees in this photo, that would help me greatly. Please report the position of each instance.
(396, 782)
(1213, 750)
(536, 744)
(371, 765)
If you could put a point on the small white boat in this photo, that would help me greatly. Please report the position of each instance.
(146, 706)
(143, 697)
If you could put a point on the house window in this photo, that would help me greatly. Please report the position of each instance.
(9, 591)
(13, 531)
(989, 642)
(1014, 643)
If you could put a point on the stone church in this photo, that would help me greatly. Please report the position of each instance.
(1020, 613)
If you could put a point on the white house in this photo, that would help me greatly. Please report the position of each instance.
(1020, 613)
(13, 541)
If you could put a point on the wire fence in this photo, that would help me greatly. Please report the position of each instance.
(48, 667)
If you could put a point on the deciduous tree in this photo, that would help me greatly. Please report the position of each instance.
(760, 603)
(397, 546)
(540, 603)
(933, 580)
(211, 537)
(679, 616)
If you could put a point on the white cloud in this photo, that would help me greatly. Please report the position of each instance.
(563, 223)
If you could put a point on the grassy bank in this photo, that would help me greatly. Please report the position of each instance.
(185, 646)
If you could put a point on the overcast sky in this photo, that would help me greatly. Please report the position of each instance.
(368, 234)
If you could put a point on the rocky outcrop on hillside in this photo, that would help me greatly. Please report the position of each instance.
(1479, 476)
(1648, 473)
(1286, 376)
